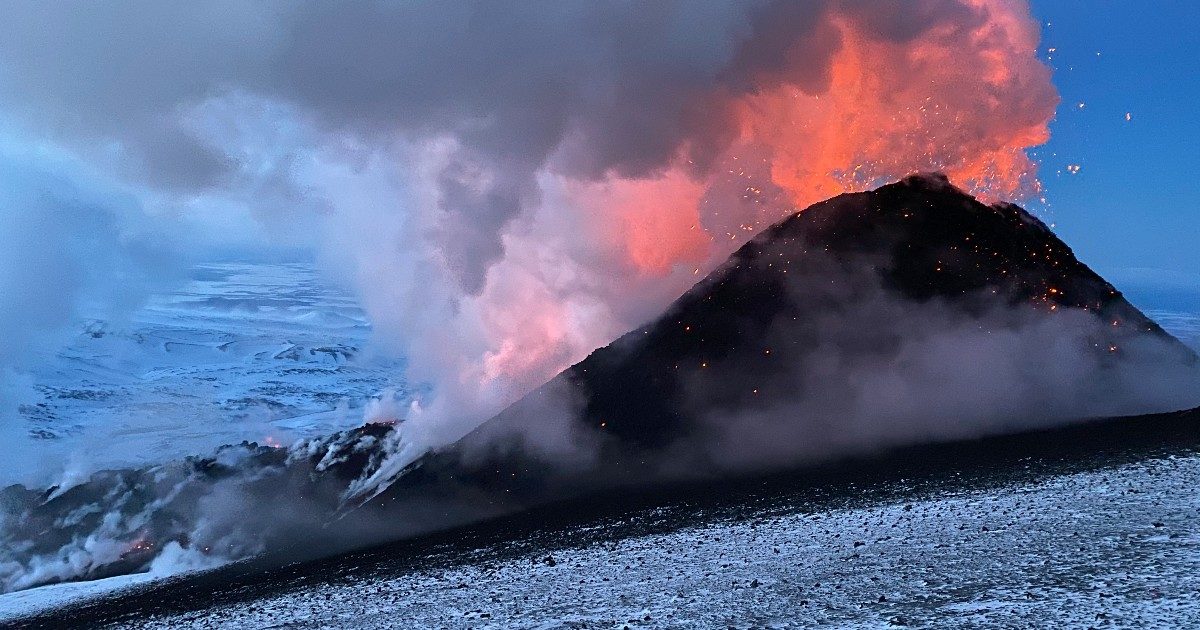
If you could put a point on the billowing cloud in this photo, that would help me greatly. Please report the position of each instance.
(509, 185)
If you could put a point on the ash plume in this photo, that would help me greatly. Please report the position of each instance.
(508, 187)
(464, 164)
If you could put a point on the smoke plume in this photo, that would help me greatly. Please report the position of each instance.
(509, 186)
(506, 185)
(565, 197)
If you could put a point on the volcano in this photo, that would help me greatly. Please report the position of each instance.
(906, 315)
(923, 241)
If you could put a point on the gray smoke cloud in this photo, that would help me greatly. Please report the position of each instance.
(592, 88)
(463, 163)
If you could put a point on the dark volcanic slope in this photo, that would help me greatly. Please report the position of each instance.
(369, 587)
(923, 237)
(751, 337)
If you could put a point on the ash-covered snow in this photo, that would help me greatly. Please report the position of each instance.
(1117, 547)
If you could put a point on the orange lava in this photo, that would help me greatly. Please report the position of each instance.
(965, 95)
(967, 98)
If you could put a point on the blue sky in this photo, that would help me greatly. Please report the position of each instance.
(1135, 202)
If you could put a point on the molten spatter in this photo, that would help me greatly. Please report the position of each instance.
(966, 101)
(966, 97)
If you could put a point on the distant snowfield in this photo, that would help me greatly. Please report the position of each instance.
(260, 352)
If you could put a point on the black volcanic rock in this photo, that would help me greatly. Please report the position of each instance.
(254, 497)
(924, 238)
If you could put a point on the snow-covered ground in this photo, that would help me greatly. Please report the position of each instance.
(1112, 547)
(263, 352)
(46, 598)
